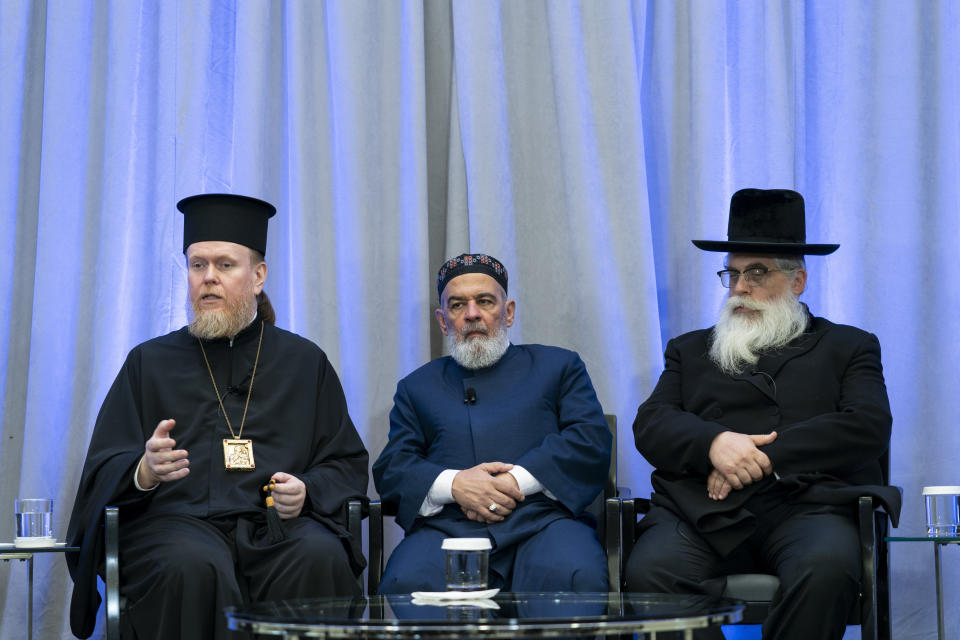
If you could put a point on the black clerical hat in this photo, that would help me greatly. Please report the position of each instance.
(766, 221)
(226, 218)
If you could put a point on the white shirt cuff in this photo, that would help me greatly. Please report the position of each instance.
(527, 483)
(441, 493)
(136, 472)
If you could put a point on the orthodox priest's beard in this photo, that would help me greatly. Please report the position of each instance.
(209, 324)
(739, 339)
(480, 351)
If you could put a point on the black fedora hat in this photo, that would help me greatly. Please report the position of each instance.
(766, 221)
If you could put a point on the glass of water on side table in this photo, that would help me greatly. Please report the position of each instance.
(943, 511)
(467, 561)
(34, 522)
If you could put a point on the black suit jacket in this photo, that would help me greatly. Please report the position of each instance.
(823, 393)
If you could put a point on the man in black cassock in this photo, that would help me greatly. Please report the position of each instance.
(763, 431)
(196, 422)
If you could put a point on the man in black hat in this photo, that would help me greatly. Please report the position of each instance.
(195, 424)
(763, 430)
(499, 441)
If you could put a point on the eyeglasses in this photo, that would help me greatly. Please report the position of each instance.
(755, 276)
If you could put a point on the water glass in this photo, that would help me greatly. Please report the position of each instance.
(34, 517)
(943, 511)
(467, 561)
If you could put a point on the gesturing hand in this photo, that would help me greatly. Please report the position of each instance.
(161, 462)
(737, 458)
(289, 494)
(478, 488)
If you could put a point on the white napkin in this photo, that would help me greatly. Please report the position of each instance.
(486, 594)
(436, 602)
(36, 543)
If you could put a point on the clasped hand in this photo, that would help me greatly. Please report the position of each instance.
(477, 488)
(737, 462)
(161, 462)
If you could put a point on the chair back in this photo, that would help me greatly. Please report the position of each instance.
(610, 484)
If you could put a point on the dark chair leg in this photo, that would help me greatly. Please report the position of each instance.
(611, 543)
(868, 586)
(355, 528)
(375, 553)
(884, 629)
(112, 570)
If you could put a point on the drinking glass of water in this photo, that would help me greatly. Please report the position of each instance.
(34, 521)
(467, 560)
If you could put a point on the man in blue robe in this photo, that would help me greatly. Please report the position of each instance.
(497, 440)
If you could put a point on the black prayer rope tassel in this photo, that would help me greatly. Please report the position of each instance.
(274, 526)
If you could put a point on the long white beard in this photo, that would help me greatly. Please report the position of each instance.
(210, 324)
(740, 339)
(478, 352)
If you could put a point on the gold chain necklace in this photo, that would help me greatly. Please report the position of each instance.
(237, 453)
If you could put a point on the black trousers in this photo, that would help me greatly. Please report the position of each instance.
(179, 572)
(812, 549)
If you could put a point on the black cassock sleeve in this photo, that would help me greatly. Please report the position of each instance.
(107, 479)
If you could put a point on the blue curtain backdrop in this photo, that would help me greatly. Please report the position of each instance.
(583, 143)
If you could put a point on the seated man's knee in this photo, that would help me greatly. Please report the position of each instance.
(587, 573)
(317, 564)
(417, 564)
(664, 559)
(175, 554)
(565, 556)
(191, 566)
(648, 570)
(832, 572)
(828, 560)
(320, 550)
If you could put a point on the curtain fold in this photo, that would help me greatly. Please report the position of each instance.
(583, 143)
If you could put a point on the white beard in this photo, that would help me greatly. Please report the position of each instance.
(478, 352)
(740, 339)
(211, 324)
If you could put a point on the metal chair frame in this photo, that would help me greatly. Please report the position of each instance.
(116, 603)
(757, 591)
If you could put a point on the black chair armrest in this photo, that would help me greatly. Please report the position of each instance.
(642, 505)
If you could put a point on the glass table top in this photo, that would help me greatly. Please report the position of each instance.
(506, 615)
(922, 539)
(58, 547)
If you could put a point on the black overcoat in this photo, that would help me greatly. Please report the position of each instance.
(823, 394)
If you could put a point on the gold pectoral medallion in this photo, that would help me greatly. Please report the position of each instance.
(238, 454)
